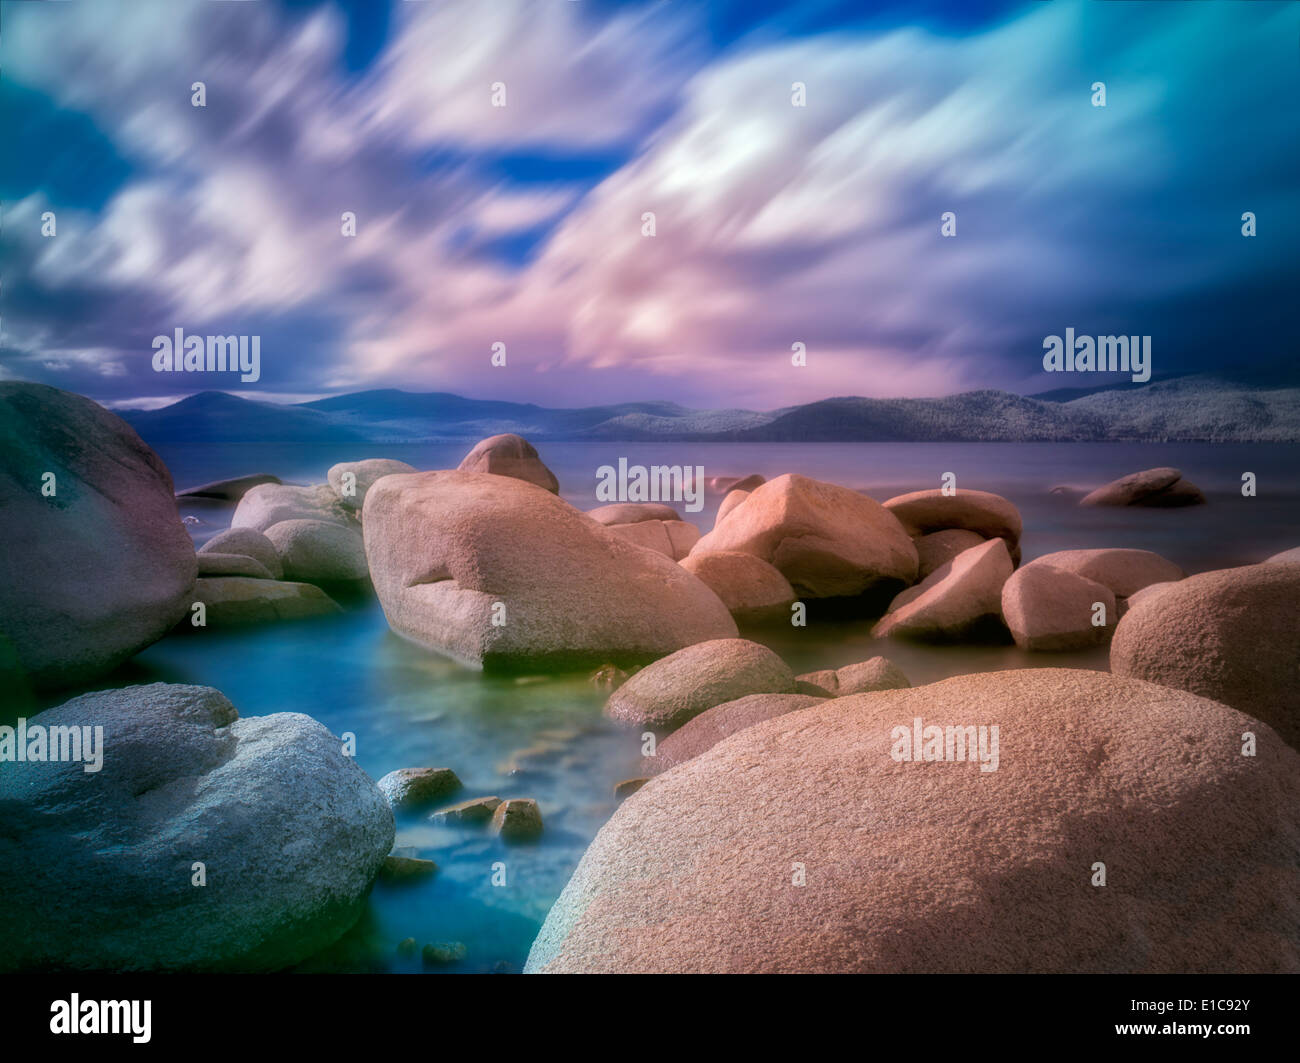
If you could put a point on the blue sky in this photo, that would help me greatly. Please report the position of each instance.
(521, 224)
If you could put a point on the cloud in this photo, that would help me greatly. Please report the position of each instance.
(775, 224)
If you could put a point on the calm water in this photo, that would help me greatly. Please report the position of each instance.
(545, 738)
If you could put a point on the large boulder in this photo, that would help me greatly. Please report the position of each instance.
(1051, 610)
(445, 548)
(751, 589)
(1162, 486)
(672, 538)
(806, 844)
(713, 725)
(101, 567)
(828, 541)
(666, 694)
(982, 512)
(268, 504)
(936, 549)
(729, 503)
(1291, 555)
(319, 551)
(1232, 635)
(350, 480)
(877, 673)
(250, 543)
(1125, 572)
(510, 455)
(232, 601)
(97, 868)
(962, 599)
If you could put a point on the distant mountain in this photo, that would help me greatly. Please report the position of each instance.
(1185, 408)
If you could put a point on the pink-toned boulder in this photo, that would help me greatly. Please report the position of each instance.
(713, 725)
(806, 844)
(938, 548)
(982, 512)
(749, 587)
(1125, 572)
(667, 693)
(502, 574)
(878, 673)
(1049, 609)
(672, 538)
(632, 512)
(729, 503)
(1232, 634)
(1133, 488)
(826, 540)
(513, 456)
(962, 599)
(1292, 555)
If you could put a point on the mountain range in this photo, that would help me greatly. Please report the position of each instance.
(1193, 408)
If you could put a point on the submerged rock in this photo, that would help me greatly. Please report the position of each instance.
(666, 694)
(878, 673)
(498, 573)
(231, 601)
(250, 543)
(513, 456)
(1151, 487)
(98, 869)
(441, 953)
(517, 820)
(805, 844)
(826, 540)
(228, 490)
(1231, 634)
(401, 870)
(475, 810)
(413, 788)
(100, 568)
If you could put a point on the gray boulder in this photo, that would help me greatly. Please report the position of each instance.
(101, 568)
(269, 504)
(232, 601)
(319, 551)
(250, 543)
(350, 480)
(97, 868)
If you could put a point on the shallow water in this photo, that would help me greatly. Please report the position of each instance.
(545, 738)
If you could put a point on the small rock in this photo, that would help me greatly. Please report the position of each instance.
(1131, 488)
(513, 456)
(412, 788)
(628, 787)
(247, 541)
(234, 600)
(608, 677)
(407, 947)
(314, 550)
(476, 810)
(1049, 609)
(632, 513)
(400, 870)
(517, 820)
(441, 953)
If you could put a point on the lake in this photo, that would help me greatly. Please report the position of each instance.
(544, 736)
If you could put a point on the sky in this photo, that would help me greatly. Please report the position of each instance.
(522, 224)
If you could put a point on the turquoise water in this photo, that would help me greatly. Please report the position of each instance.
(544, 736)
